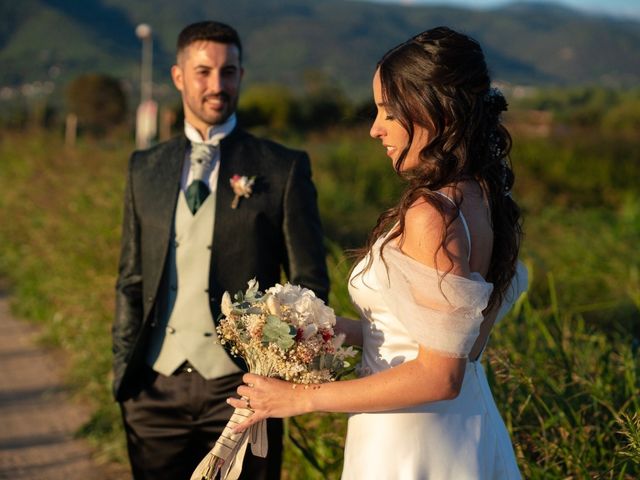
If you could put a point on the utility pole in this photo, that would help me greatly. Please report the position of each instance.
(147, 113)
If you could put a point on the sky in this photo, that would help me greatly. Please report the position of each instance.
(617, 8)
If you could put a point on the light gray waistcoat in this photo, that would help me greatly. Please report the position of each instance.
(185, 328)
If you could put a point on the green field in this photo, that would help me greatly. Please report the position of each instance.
(563, 365)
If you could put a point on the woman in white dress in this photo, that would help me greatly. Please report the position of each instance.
(440, 269)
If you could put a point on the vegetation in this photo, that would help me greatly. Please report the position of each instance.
(564, 365)
(98, 101)
(614, 111)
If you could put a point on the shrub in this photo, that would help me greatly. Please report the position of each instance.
(99, 102)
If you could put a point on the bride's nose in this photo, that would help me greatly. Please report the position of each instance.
(376, 130)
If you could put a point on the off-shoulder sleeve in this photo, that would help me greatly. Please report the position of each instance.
(440, 313)
(519, 285)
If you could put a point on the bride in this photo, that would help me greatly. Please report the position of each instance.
(440, 269)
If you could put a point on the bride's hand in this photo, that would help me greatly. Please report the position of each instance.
(268, 398)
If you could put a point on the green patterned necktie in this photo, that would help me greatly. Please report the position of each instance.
(201, 158)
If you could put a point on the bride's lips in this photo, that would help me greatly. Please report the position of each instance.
(390, 150)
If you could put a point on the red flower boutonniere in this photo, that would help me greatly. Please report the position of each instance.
(242, 186)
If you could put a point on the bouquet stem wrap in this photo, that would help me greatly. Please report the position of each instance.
(227, 454)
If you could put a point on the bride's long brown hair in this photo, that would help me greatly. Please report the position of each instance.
(439, 80)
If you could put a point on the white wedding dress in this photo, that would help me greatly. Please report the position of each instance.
(461, 439)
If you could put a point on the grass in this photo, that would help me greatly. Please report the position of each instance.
(566, 387)
(563, 366)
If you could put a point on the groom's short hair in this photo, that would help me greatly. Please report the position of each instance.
(208, 31)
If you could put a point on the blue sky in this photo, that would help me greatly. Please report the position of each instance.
(618, 8)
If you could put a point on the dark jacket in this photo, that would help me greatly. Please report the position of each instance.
(277, 228)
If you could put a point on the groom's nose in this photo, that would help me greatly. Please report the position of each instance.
(215, 83)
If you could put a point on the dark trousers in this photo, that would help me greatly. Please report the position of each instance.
(174, 421)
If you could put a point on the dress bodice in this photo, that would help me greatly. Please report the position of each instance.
(387, 340)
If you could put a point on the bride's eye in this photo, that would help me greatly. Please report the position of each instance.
(389, 117)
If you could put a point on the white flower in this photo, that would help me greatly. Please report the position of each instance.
(226, 306)
(273, 305)
(252, 288)
(325, 316)
(347, 352)
(312, 309)
(288, 294)
(309, 331)
(338, 340)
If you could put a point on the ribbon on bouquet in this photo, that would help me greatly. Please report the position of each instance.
(227, 454)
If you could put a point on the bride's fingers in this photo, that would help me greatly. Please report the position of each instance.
(242, 402)
(255, 418)
(244, 390)
(250, 378)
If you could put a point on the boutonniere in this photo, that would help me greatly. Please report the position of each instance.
(242, 186)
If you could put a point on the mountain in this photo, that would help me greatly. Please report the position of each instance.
(292, 41)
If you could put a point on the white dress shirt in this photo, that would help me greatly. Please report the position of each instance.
(215, 133)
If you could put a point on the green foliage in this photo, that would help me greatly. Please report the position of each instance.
(313, 446)
(278, 332)
(280, 109)
(98, 101)
(623, 117)
(566, 390)
(272, 106)
(589, 106)
(356, 183)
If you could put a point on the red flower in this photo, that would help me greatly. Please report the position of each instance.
(327, 335)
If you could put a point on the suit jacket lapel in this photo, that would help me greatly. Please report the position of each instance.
(232, 161)
(224, 194)
(166, 184)
(163, 185)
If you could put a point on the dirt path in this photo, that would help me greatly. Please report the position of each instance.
(37, 420)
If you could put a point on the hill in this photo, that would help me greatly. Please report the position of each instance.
(292, 41)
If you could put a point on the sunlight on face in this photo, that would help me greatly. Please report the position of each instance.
(391, 132)
(208, 75)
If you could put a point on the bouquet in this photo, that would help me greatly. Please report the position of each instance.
(285, 332)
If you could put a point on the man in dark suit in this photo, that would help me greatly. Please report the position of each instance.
(204, 213)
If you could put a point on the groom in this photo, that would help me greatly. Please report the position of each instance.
(204, 213)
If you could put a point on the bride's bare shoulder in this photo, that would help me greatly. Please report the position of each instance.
(424, 237)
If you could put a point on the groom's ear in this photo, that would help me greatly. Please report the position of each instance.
(176, 75)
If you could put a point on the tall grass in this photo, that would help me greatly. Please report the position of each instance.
(565, 390)
(563, 365)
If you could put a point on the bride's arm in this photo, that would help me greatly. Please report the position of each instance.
(429, 378)
(351, 328)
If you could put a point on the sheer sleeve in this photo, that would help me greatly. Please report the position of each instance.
(519, 285)
(440, 313)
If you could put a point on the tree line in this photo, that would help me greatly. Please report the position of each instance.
(103, 105)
